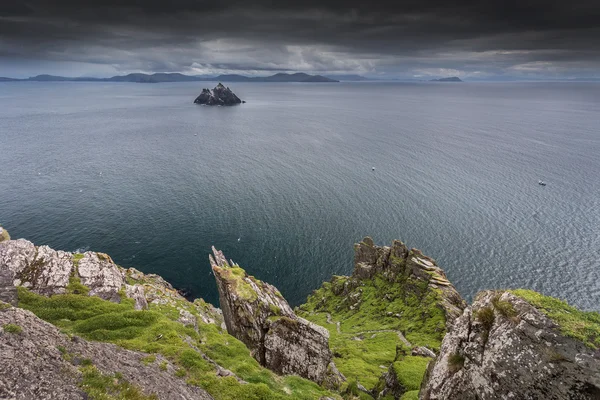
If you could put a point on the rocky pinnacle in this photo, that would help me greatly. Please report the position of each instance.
(258, 315)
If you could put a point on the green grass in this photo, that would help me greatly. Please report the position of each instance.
(156, 331)
(99, 386)
(410, 371)
(236, 277)
(504, 307)
(485, 316)
(574, 323)
(456, 362)
(412, 395)
(421, 320)
(12, 328)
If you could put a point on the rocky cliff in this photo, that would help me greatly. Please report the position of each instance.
(78, 326)
(219, 96)
(37, 361)
(387, 320)
(258, 315)
(518, 345)
(98, 331)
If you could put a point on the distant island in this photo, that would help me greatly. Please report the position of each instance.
(219, 96)
(450, 79)
(176, 77)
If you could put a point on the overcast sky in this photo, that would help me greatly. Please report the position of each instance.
(402, 39)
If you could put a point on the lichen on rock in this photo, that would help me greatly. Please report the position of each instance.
(503, 346)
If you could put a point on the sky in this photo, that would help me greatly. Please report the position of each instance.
(414, 39)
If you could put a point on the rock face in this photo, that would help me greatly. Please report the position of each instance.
(370, 260)
(39, 362)
(502, 347)
(47, 272)
(257, 314)
(219, 96)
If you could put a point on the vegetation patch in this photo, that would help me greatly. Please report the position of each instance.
(76, 258)
(505, 308)
(99, 386)
(371, 315)
(149, 359)
(410, 371)
(486, 317)
(456, 362)
(155, 331)
(236, 277)
(4, 234)
(412, 395)
(12, 328)
(574, 323)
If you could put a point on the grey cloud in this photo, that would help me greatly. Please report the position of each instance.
(405, 38)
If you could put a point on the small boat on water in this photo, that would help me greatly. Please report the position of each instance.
(541, 183)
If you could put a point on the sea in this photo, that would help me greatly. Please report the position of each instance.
(287, 183)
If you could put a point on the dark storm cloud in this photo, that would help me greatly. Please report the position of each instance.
(402, 38)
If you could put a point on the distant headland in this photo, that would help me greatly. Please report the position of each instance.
(176, 77)
(450, 79)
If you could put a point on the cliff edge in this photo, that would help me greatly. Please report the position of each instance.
(518, 345)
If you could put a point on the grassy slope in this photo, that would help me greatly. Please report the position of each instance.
(97, 319)
(580, 325)
(421, 320)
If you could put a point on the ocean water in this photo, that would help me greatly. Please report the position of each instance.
(284, 183)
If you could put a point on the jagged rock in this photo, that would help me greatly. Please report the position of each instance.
(392, 387)
(136, 292)
(42, 363)
(41, 269)
(370, 259)
(257, 314)
(104, 278)
(502, 347)
(219, 96)
(46, 271)
(423, 352)
(187, 318)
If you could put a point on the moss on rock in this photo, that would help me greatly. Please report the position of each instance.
(574, 323)
(4, 234)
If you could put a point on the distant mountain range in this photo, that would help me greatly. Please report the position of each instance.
(176, 77)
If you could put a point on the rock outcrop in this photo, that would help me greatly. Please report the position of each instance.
(397, 260)
(48, 272)
(219, 96)
(38, 362)
(503, 347)
(258, 315)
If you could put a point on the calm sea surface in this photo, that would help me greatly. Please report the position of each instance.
(284, 184)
